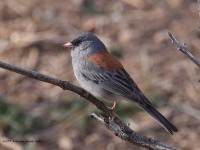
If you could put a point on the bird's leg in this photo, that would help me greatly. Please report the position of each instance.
(113, 107)
(112, 110)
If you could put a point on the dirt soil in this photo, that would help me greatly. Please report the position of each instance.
(32, 33)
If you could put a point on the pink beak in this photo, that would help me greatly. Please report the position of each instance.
(68, 45)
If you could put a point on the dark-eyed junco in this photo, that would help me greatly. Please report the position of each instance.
(102, 75)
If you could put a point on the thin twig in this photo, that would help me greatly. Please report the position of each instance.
(116, 125)
(183, 48)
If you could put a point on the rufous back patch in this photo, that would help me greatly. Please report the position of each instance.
(105, 60)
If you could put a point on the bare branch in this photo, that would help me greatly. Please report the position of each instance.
(183, 48)
(121, 130)
(116, 125)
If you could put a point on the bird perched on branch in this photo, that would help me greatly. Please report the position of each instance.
(102, 75)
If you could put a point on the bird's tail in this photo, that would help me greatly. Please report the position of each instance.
(160, 118)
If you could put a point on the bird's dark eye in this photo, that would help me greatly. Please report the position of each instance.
(77, 42)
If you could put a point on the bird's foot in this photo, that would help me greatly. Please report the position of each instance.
(111, 118)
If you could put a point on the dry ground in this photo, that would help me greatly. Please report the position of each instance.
(31, 36)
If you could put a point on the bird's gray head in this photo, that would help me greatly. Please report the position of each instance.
(84, 44)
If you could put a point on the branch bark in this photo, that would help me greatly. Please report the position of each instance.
(116, 125)
(121, 130)
(183, 48)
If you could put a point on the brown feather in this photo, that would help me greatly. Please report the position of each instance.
(105, 60)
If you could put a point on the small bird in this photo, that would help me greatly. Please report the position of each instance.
(102, 75)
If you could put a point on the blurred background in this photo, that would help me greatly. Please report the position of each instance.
(32, 33)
